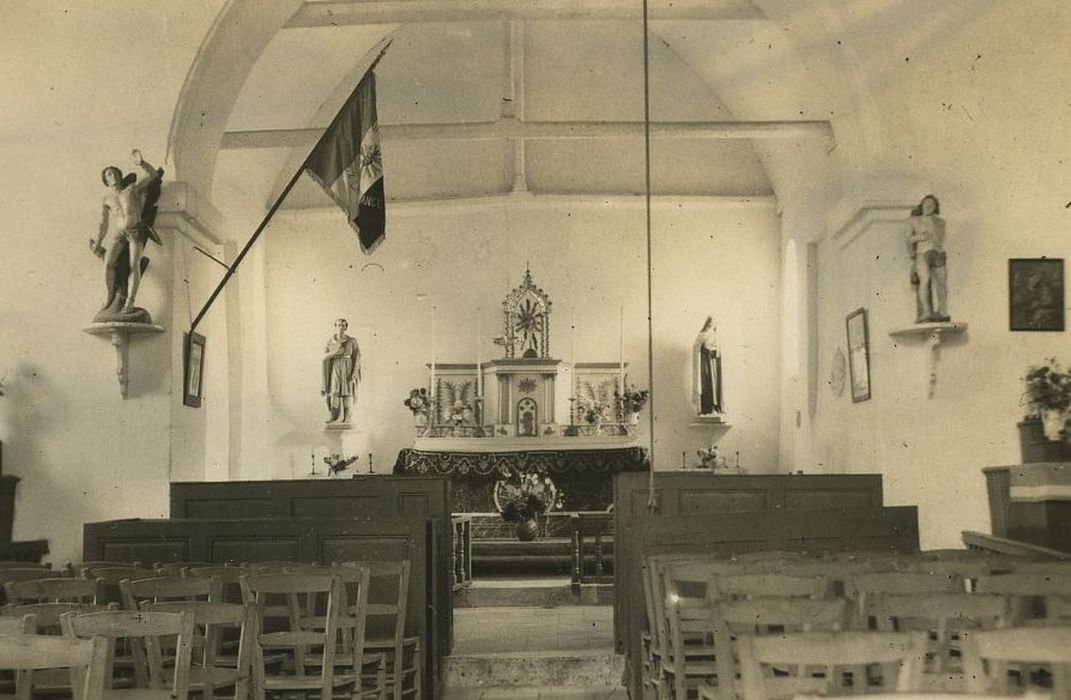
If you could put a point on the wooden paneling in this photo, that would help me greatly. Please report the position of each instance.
(882, 529)
(303, 540)
(701, 492)
(363, 496)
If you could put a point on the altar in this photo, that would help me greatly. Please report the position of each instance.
(581, 468)
(526, 412)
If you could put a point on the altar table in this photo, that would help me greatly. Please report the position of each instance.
(581, 468)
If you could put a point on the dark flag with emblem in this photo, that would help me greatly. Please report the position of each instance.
(348, 164)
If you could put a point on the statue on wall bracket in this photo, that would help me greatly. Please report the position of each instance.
(127, 217)
(527, 320)
(929, 268)
(707, 374)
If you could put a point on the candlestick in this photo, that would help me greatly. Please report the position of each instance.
(572, 355)
(479, 354)
(433, 354)
(621, 363)
(370, 469)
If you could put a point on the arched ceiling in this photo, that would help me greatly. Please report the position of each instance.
(542, 97)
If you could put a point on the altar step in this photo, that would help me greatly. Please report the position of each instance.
(529, 652)
(536, 592)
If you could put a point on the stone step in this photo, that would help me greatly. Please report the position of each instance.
(617, 692)
(544, 593)
(531, 669)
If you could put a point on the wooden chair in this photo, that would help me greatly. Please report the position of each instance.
(211, 670)
(144, 631)
(862, 588)
(771, 586)
(1018, 659)
(174, 568)
(29, 573)
(55, 590)
(896, 655)
(18, 624)
(763, 616)
(945, 617)
(80, 568)
(1027, 592)
(164, 588)
(86, 661)
(110, 576)
(388, 595)
(688, 654)
(46, 615)
(296, 588)
(228, 577)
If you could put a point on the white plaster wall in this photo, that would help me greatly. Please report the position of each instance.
(978, 118)
(709, 257)
(82, 84)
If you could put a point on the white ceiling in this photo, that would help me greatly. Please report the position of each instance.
(457, 73)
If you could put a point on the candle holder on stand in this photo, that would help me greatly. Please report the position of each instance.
(572, 430)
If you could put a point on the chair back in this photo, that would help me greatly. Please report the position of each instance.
(47, 615)
(297, 588)
(772, 586)
(14, 564)
(388, 593)
(1027, 591)
(78, 569)
(18, 624)
(144, 631)
(1008, 660)
(211, 622)
(86, 659)
(762, 616)
(163, 588)
(175, 568)
(862, 588)
(55, 590)
(830, 663)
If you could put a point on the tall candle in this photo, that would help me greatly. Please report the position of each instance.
(621, 361)
(433, 354)
(479, 354)
(572, 354)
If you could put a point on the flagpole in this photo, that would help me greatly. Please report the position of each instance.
(279, 200)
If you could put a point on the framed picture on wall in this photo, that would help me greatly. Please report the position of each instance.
(193, 363)
(858, 355)
(1036, 294)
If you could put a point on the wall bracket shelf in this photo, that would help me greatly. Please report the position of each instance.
(933, 333)
(120, 332)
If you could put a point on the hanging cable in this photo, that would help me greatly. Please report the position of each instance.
(652, 502)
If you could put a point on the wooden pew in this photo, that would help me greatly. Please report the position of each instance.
(286, 539)
(362, 496)
(727, 534)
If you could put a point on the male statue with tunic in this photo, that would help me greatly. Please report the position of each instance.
(128, 212)
(341, 373)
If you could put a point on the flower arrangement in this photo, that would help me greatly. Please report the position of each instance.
(1048, 388)
(336, 463)
(521, 496)
(592, 411)
(418, 401)
(709, 459)
(460, 413)
(633, 400)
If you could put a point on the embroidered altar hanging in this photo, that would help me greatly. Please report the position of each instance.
(348, 164)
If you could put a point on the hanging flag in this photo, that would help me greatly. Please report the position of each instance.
(348, 164)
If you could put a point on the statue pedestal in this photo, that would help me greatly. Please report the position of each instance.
(344, 439)
(934, 333)
(120, 332)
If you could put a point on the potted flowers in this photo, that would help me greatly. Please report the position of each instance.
(1048, 397)
(631, 403)
(521, 497)
(420, 405)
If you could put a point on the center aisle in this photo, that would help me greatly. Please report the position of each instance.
(531, 639)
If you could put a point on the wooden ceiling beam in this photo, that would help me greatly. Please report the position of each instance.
(339, 13)
(508, 128)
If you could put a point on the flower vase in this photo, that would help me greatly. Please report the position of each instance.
(1052, 422)
(420, 420)
(527, 530)
(632, 418)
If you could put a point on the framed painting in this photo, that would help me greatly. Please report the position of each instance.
(193, 369)
(858, 355)
(1036, 294)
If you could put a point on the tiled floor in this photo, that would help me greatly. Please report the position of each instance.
(517, 629)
